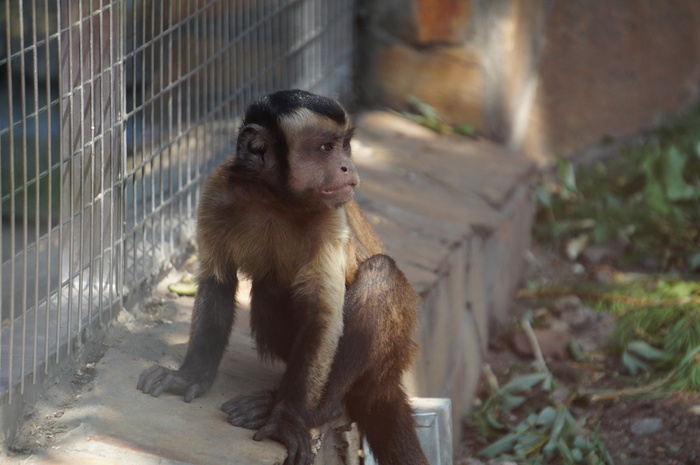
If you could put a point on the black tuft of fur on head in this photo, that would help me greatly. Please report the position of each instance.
(274, 106)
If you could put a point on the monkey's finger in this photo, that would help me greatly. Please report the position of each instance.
(292, 454)
(154, 379)
(194, 391)
(260, 412)
(233, 403)
(305, 455)
(165, 383)
(274, 430)
(255, 421)
(271, 431)
(144, 376)
(239, 407)
(266, 432)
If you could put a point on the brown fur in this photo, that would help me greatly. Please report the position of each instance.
(311, 253)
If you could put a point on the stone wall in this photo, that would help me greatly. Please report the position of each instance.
(542, 76)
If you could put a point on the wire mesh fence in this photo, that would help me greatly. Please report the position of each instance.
(112, 113)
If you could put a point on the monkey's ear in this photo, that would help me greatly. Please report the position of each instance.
(254, 145)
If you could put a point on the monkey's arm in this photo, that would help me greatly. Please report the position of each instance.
(287, 413)
(212, 320)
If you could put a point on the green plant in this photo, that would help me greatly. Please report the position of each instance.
(426, 115)
(638, 356)
(546, 435)
(646, 198)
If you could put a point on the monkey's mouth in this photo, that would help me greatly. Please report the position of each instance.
(343, 190)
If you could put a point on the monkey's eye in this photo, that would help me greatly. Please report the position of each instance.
(346, 143)
(327, 147)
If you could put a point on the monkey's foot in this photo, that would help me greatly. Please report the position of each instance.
(288, 428)
(156, 380)
(251, 411)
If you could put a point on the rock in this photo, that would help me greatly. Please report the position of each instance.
(596, 254)
(597, 336)
(554, 344)
(602, 273)
(590, 328)
(647, 426)
(576, 315)
(560, 395)
(575, 246)
(578, 269)
(126, 319)
(566, 304)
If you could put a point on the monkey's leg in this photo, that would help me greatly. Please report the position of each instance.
(295, 329)
(273, 330)
(374, 351)
(212, 320)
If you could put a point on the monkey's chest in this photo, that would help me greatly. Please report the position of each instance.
(270, 247)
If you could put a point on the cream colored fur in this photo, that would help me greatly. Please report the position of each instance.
(295, 122)
(326, 272)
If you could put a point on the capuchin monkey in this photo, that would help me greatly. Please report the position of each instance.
(325, 298)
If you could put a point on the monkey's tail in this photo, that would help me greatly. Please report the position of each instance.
(390, 430)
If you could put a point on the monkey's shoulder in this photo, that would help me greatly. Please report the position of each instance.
(253, 237)
(230, 188)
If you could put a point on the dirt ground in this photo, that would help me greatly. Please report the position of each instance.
(652, 429)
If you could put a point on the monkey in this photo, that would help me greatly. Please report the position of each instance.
(325, 297)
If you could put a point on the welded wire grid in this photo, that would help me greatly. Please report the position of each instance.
(112, 113)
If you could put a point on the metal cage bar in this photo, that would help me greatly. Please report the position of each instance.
(112, 113)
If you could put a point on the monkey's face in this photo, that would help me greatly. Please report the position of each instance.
(298, 146)
(320, 164)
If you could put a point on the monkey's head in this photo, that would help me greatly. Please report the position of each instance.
(298, 145)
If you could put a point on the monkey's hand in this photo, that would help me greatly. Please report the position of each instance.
(156, 380)
(288, 428)
(251, 412)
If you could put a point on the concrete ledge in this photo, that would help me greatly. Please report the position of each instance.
(453, 212)
(456, 215)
